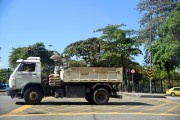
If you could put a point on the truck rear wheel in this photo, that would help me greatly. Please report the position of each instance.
(101, 96)
(33, 96)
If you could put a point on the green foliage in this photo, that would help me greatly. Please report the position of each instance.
(170, 29)
(38, 50)
(115, 48)
(166, 50)
(17, 53)
(3, 76)
(84, 49)
(74, 63)
(155, 12)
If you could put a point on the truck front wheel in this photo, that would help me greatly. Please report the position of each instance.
(101, 96)
(33, 96)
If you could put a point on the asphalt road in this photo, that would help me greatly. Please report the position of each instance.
(133, 108)
(7, 104)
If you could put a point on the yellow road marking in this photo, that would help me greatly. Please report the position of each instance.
(172, 109)
(155, 107)
(170, 102)
(19, 111)
(22, 108)
(140, 105)
(91, 113)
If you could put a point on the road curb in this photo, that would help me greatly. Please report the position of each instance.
(144, 95)
(2, 93)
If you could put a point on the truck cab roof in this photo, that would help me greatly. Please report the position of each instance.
(29, 59)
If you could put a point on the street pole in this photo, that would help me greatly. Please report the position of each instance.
(150, 85)
(132, 72)
(133, 83)
(150, 79)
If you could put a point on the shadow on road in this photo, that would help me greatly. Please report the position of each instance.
(86, 103)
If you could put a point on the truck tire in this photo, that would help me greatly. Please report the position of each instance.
(101, 96)
(33, 96)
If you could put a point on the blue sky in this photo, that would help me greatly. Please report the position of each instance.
(60, 22)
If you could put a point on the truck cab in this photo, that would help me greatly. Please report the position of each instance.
(27, 72)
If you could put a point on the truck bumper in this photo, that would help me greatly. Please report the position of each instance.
(13, 92)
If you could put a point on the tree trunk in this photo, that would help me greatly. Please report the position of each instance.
(168, 79)
(154, 85)
(161, 85)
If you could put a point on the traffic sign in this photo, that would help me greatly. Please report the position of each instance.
(132, 71)
(150, 73)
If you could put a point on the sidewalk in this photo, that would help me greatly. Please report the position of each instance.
(145, 95)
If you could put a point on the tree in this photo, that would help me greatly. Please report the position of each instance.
(170, 29)
(38, 50)
(3, 76)
(116, 48)
(83, 49)
(166, 50)
(74, 63)
(155, 12)
(17, 53)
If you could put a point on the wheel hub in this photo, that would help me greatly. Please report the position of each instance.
(101, 96)
(33, 96)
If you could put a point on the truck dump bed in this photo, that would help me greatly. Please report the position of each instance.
(93, 74)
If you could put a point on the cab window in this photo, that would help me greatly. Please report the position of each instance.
(176, 89)
(28, 67)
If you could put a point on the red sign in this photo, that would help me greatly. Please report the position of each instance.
(132, 71)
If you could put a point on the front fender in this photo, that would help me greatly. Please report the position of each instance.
(31, 84)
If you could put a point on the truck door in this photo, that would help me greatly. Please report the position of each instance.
(25, 74)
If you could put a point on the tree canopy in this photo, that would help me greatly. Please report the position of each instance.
(166, 50)
(154, 12)
(115, 47)
(83, 49)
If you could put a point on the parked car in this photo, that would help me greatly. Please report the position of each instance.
(4, 86)
(175, 91)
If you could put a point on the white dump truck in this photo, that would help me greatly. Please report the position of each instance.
(95, 84)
